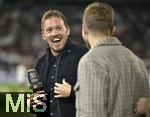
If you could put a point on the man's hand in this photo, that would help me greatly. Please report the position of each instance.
(34, 99)
(62, 90)
(140, 105)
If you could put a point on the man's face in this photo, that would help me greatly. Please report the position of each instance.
(55, 33)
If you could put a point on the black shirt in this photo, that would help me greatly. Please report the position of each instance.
(50, 82)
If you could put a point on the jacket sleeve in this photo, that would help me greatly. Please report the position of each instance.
(92, 93)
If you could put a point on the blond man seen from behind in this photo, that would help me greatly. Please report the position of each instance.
(111, 78)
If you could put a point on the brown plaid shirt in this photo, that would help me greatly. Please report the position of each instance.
(110, 81)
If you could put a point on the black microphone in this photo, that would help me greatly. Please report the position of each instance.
(33, 79)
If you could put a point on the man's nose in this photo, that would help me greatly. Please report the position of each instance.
(54, 32)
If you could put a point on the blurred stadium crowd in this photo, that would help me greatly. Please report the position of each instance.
(20, 37)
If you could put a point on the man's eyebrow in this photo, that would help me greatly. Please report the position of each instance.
(49, 28)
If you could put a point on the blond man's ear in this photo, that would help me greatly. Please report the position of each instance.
(68, 30)
(113, 29)
(43, 35)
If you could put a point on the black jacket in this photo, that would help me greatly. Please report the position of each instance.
(66, 68)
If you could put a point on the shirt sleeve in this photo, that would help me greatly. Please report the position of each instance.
(92, 94)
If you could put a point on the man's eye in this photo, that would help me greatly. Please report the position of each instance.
(59, 28)
(49, 29)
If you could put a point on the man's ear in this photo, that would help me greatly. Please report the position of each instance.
(68, 30)
(42, 33)
(113, 30)
(85, 30)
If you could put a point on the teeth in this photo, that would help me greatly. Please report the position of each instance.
(56, 39)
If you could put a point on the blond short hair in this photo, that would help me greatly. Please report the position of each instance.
(99, 17)
(53, 13)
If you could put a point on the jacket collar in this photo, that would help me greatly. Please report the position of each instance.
(109, 41)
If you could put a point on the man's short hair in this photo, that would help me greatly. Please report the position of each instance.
(99, 17)
(53, 13)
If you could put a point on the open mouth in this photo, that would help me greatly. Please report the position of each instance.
(56, 40)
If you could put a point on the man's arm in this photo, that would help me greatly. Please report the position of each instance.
(92, 94)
